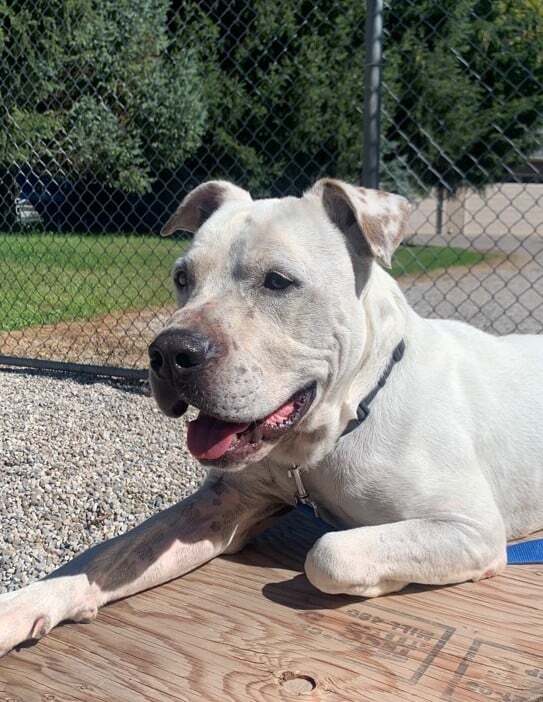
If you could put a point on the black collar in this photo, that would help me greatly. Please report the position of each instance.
(363, 410)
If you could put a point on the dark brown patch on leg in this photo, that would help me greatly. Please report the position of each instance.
(218, 487)
(145, 553)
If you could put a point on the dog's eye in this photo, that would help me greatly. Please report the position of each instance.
(181, 279)
(276, 281)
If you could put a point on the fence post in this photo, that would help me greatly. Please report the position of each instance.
(372, 93)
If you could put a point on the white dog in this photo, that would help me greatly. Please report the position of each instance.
(286, 331)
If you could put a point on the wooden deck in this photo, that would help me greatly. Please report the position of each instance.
(250, 627)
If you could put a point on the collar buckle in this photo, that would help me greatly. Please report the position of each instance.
(302, 496)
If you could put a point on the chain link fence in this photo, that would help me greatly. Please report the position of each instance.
(111, 111)
(462, 119)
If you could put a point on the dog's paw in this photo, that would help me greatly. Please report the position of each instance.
(333, 569)
(31, 613)
(20, 620)
(495, 568)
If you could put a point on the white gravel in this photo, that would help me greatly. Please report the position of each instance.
(81, 460)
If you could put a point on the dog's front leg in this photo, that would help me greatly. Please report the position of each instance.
(216, 519)
(375, 560)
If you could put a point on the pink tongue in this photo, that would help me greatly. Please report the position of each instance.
(210, 438)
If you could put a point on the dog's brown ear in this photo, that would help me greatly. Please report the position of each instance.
(373, 220)
(200, 204)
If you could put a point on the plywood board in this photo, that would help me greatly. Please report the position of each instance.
(251, 627)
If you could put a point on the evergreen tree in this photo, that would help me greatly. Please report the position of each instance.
(125, 92)
(288, 105)
(97, 90)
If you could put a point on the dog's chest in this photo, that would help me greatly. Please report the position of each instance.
(341, 498)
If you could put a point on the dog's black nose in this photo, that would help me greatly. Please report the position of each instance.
(178, 351)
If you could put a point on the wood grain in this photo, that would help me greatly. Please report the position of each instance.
(251, 627)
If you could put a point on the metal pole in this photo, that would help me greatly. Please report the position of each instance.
(372, 93)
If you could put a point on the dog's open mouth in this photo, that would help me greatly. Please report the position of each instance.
(211, 439)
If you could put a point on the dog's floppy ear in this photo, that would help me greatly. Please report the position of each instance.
(200, 204)
(373, 220)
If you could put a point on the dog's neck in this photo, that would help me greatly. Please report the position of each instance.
(386, 317)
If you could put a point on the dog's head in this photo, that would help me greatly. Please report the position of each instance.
(270, 327)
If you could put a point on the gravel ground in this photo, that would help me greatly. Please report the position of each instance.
(81, 460)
